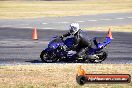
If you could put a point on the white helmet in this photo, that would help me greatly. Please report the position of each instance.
(74, 27)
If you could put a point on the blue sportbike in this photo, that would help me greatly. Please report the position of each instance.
(60, 50)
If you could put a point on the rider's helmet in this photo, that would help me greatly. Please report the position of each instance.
(74, 27)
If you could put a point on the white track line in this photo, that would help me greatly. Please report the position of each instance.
(29, 27)
(63, 22)
(129, 17)
(44, 23)
(80, 21)
(93, 20)
(48, 28)
(14, 25)
(120, 18)
(106, 19)
(6, 26)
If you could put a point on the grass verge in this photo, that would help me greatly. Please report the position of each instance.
(122, 28)
(37, 9)
(57, 75)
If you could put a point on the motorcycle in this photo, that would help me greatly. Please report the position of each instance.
(60, 50)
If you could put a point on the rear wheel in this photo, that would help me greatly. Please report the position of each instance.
(102, 55)
(48, 58)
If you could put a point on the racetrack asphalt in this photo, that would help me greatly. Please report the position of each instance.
(17, 47)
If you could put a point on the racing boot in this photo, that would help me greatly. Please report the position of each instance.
(81, 55)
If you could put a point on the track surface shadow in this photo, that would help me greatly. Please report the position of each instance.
(34, 61)
(39, 61)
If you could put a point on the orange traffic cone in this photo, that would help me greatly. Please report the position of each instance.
(81, 71)
(35, 34)
(109, 34)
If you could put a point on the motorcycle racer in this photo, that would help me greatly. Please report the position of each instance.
(81, 44)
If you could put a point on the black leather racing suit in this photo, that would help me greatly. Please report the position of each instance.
(81, 45)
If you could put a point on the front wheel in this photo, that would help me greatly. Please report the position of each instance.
(48, 58)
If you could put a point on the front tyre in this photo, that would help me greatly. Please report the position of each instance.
(48, 58)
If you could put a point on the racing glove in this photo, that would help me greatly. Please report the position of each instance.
(61, 37)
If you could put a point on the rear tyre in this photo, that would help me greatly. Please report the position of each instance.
(48, 58)
(102, 56)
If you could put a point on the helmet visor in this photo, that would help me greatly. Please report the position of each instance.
(73, 30)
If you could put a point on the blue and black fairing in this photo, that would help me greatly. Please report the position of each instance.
(55, 43)
(69, 42)
(99, 43)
